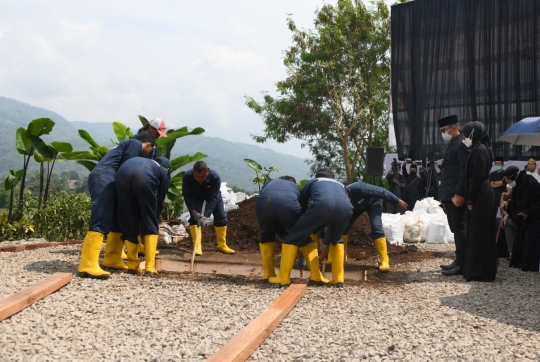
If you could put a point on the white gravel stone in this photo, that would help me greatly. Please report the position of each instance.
(412, 313)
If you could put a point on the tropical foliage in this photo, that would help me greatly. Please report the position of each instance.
(261, 178)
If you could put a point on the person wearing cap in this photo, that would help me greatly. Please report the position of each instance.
(368, 198)
(326, 205)
(158, 128)
(452, 189)
(202, 184)
(531, 169)
(103, 219)
(523, 210)
(396, 182)
(480, 263)
(414, 189)
(141, 186)
(277, 209)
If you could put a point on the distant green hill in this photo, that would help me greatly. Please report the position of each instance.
(223, 156)
(226, 157)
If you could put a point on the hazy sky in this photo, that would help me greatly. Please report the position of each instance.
(188, 62)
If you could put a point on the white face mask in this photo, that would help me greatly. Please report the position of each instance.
(468, 141)
(446, 136)
(512, 184)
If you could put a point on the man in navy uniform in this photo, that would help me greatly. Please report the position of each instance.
(277, 208)
(368, 198)
(326, 204)
(202, 184)
(141, 186)
(452, 190)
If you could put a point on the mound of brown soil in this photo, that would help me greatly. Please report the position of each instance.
(243, 231)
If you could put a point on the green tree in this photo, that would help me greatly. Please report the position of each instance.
(336, 95)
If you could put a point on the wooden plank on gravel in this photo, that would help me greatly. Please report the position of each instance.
(241, 346)
(18, 301)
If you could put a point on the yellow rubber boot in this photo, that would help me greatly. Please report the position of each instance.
(221, 233)
(113, 252)
(267, 257)
(132, 257)
(193, 231)
(140, 245)
(338, 268)
(312, 259)
(124, 255)
(288, 256)
(345, 243)
(384, 261)
(89, 263)
(150, 246)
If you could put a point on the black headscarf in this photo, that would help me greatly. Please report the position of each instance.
(477, 132)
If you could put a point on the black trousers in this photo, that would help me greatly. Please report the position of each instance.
(456, 221)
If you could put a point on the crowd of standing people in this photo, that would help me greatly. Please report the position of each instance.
(475, 199)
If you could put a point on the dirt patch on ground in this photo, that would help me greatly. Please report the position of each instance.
(243, 231)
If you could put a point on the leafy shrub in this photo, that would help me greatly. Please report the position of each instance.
(66, 217)
(16, 230)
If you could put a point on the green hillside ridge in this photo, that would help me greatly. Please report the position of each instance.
(224, 156)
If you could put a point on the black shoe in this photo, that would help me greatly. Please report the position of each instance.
(448, 266)
(454, 271)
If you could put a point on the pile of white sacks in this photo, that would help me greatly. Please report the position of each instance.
(230, 200)
(426, 223)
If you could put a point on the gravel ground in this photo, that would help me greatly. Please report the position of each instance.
(411, 313)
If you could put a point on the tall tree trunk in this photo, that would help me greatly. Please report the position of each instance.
(10, 212)
(23, 180)
(41, 172)
(49, 174)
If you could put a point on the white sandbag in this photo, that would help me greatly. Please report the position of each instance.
(425, 220)
(393, 228)
(240, 196)
(434, 206)
(436, 232)
(412, 231)
(421, 205)
(229, 198)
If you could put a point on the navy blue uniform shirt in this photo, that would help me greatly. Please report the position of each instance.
(209, 191)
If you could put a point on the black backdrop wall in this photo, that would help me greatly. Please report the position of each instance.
(479, 59)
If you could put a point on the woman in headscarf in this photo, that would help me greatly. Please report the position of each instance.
(481, 250)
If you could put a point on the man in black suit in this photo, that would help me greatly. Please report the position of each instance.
(452, 191)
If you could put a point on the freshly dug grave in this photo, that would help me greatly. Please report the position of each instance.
(243, 231)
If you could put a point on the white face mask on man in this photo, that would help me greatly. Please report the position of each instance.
(447, 137)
